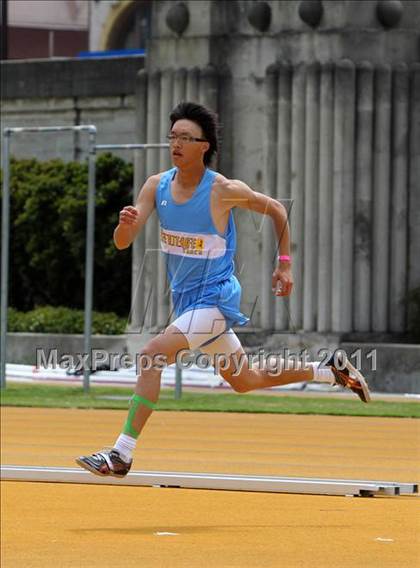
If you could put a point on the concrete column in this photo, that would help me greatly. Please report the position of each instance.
(399, 199)
(226, 117)
(208, 94)
(326, 151)
(414, 180)
(166, 105)
(179, 95)
(180, 86)
(163, 290)
(311, 198)
(152, 167)
(208, 87)
(297, 192)
(381, 191)
(269, 182)
(284, 98)
(138, 247)
(363, 199)
(193, 80)
(342, 276)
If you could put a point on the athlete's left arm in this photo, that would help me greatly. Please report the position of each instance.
(237, 194)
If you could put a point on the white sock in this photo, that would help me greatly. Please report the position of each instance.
(125, 445)
(323, 375)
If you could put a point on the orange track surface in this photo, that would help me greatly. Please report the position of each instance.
(75, 525)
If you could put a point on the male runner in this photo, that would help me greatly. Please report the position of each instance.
(194, 205)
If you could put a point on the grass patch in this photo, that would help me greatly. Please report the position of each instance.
(73, 397)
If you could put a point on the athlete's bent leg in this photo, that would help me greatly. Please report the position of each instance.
(231, 361)
(244, 377)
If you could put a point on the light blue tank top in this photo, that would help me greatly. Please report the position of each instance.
(196, 253)
(199, 259)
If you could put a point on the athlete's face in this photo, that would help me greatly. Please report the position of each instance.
(187, 144)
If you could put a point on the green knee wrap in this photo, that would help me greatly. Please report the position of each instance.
(135, 402)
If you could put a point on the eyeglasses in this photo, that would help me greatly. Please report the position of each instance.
(183, 139)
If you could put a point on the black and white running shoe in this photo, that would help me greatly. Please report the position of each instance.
(105, 462)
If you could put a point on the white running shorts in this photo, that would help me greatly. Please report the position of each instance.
(202, 325)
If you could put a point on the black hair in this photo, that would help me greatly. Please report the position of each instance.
(205, 118)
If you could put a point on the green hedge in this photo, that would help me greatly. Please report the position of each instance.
(51, 319)
(48, 228)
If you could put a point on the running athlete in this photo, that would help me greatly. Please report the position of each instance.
(198, 238)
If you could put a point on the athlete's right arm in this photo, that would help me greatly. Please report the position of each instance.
(133, 218)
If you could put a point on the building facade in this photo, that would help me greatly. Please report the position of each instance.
(44, 29)
(320, 108)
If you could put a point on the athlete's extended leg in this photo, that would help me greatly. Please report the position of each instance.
(158, 353)
(244, 377)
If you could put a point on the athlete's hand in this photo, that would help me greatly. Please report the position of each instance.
(282, 281)
(128, 215)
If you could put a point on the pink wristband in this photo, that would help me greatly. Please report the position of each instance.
(284, 258)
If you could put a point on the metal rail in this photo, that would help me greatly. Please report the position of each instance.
(5, 234)
(130, 146)
(270, 484)
(90, 231)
